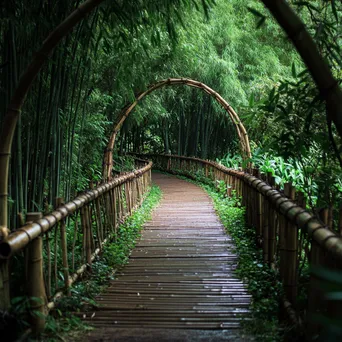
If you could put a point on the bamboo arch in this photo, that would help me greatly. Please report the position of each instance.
(280, 9)
(240, 128)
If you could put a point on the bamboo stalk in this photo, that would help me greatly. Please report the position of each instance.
(115, 213)
(35, 281)
(87, 229)
(74, 242)
(265, 227)
(316, 302)
(272, 225)
(55, 262)
(64, 248)
(48, 252)
(290, 254)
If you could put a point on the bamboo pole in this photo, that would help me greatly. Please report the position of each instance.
(265, 228)
(97, 218)
(55, 255)
(316, 302)
(64, 248)
(74, 241)
(291, 255)
(48, 252)
(115, 213)
(35, 281)
(272, 225)
(87, 230)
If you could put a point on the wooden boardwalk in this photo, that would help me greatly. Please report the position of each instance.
(180, 275)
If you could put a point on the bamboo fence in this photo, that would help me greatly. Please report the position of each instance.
(288, 234)
(61, 246)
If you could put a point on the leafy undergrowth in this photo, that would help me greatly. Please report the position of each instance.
(63, 324)
(262, 282)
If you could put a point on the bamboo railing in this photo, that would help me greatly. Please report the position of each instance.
(287, 233)
(59, 247)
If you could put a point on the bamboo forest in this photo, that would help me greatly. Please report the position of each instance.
(171, 170)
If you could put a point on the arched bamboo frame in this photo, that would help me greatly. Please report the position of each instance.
(280, 9)
(240, 128)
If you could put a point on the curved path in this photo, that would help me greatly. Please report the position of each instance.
(180, 275)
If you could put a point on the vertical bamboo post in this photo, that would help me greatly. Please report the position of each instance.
(48, 252)
(84, 234)
(138, 190)
(115, 213)
(291, 255)
(129, 196)
(259, 210)
(88, 236)
(86, 250)
(74, 242)
(35, 281)
(97, 219)
(91, 233)
(110, 210)
(316, 303)
(272, 224)
(265, 228)
(302, 203)
(55, 261)
(60, 202)
(255, 203)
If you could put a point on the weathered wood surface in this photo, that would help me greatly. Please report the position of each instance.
(181, 273)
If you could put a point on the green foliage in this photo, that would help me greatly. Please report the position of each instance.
(321, 184)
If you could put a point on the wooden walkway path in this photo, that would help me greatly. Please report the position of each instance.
(180, 275)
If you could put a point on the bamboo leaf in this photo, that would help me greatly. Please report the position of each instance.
(293, 70)
(334, 9)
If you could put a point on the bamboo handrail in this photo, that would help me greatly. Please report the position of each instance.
(20, 238)
(327, 239)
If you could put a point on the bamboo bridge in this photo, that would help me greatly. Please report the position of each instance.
(181, 273)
